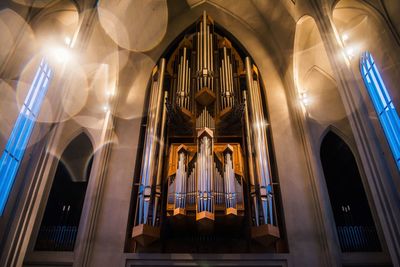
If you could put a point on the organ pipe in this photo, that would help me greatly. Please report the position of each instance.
(226, 81)
(205, 172)
(150, 150)
(181, 180)
(229, 177)
(250, 159)
(183, 84)
(257, 123)
(205, 55)
(160, 160)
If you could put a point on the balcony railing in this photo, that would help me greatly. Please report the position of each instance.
(358, 238)
(56, 238)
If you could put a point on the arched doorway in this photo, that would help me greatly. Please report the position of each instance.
(61, 218)
(354, 223)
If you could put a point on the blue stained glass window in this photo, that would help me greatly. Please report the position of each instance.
(383, 104)
(19, 137)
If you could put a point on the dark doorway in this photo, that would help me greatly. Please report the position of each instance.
(355, 226)
(60, 222)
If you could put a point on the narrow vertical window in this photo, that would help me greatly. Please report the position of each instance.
(383, 104)
(18, 140)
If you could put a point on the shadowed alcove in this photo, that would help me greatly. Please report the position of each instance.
(60, 222)
(355, 226)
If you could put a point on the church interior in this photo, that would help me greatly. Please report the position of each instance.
(200, 133)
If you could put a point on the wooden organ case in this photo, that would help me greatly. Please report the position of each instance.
(205, 176)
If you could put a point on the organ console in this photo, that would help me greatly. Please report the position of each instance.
(205, 155)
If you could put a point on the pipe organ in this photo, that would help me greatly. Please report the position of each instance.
(206, 161)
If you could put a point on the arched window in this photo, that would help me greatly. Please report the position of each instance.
(59, 226)
(354, 224)
(383, 104)
(18, 140)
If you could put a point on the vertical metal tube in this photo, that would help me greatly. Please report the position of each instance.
(192, 183)
(228, 89)
(204, 46)
(210, 179)
(262, 134)
(201, 55)
(253, 113)
(226, 76)
(198, 182)
(204, 39)
(250, 158)
(230, 82)
(204, 117)
(198, 52)
(223, 85)
(178, 88)
(206, 174)
(185, 83)
(188, 89)
(209, 49)
(184, 74)
(184, 185)
(201, 170)
(211, 52)
(215, 182)
(198, 60)
(264, 152)
(160, 158)
(150, 150)
(188, 189)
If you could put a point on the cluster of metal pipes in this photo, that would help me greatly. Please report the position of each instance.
(151, 169)
(205, 175)
(183, 84)
(229, 178)
(191, 188)
(224, 190)
(257, 142)
(226, 81)
(205, 55)
(219, 187)
(205, 120)
(180, 181)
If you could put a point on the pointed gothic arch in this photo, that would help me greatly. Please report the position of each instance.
(354, 222)
(60, 222)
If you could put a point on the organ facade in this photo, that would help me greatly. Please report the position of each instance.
(206, 111)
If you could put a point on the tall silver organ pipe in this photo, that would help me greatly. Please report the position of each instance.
(149, 163)
(160, 161)
(229, 177)
(250, 159)
(181, 179)
(191, 188)
(205, 172)
(226, 81)
(183, 84)
(205, 54)
(257, 126)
